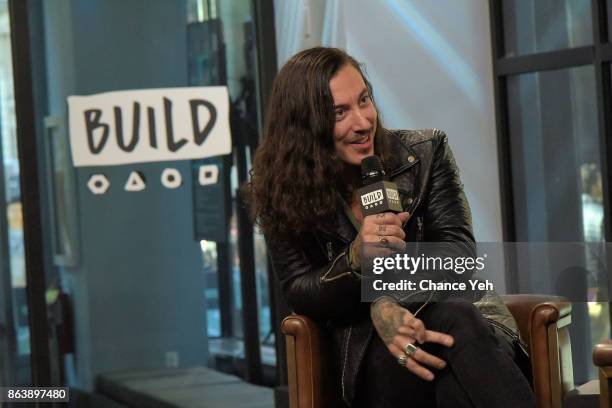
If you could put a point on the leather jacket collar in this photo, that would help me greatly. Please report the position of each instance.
(398, 152)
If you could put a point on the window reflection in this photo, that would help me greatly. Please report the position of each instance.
(209, 262)
(556, 176)
(222, 52)
(266, 330)
(593, 231)
(532, 26)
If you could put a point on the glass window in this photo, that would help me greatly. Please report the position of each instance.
(556, 173)
(532, 26)
(213, 311)
(228, 57)
(14, 331)
(156, 277)
(266, 327)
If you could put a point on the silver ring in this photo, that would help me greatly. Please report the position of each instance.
(410, 349)
(401, 360)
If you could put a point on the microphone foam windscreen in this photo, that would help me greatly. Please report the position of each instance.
(371, 165)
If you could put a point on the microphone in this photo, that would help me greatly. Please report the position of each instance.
(377, 194)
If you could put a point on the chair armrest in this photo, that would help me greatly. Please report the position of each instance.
(602, 354)
(304, 354)
(524, 304)
(550, 310)
(543, 322)
(602, 358)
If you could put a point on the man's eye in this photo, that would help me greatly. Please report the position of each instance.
(339, 113)
(364, 99)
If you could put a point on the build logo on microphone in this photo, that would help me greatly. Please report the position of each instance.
(372, 199)
(393, 196)
(379, 197)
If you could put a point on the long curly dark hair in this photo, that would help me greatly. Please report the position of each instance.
(296, 181)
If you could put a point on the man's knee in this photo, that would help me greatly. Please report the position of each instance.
(457, 316)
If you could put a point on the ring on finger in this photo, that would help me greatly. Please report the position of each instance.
(382, 239)
(401, 360)
(410, 349)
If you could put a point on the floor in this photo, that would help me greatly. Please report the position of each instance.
(196, 387)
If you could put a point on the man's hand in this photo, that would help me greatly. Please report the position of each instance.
(385, 228)
(397, 328)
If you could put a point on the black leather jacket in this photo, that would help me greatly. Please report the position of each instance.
(314, 270)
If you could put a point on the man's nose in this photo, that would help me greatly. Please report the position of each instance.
(360, 122)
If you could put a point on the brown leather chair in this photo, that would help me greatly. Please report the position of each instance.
(595, 393)
(602, 358)
(542, 320)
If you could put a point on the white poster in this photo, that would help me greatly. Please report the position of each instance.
(150, 125)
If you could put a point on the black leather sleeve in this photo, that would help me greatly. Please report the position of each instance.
(447, 216)
(447, 225)
(324, 290)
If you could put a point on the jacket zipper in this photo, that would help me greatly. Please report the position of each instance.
(419, 236)
(324, 277)
(348, 338)
(414, 205)
(509, 332)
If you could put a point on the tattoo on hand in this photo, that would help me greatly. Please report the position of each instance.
(387, 317)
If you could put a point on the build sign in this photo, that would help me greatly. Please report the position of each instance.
(166, 124)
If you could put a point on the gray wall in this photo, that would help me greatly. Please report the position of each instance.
(138, 288)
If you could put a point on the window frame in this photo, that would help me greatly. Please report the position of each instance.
(598, 55)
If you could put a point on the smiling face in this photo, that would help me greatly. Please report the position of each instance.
(355, 115)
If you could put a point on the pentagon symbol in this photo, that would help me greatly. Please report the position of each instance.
(98, 184)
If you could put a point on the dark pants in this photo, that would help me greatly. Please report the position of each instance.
(479, 372)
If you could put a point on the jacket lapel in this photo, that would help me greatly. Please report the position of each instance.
(400, 155)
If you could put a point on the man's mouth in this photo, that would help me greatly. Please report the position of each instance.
(361, 140)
